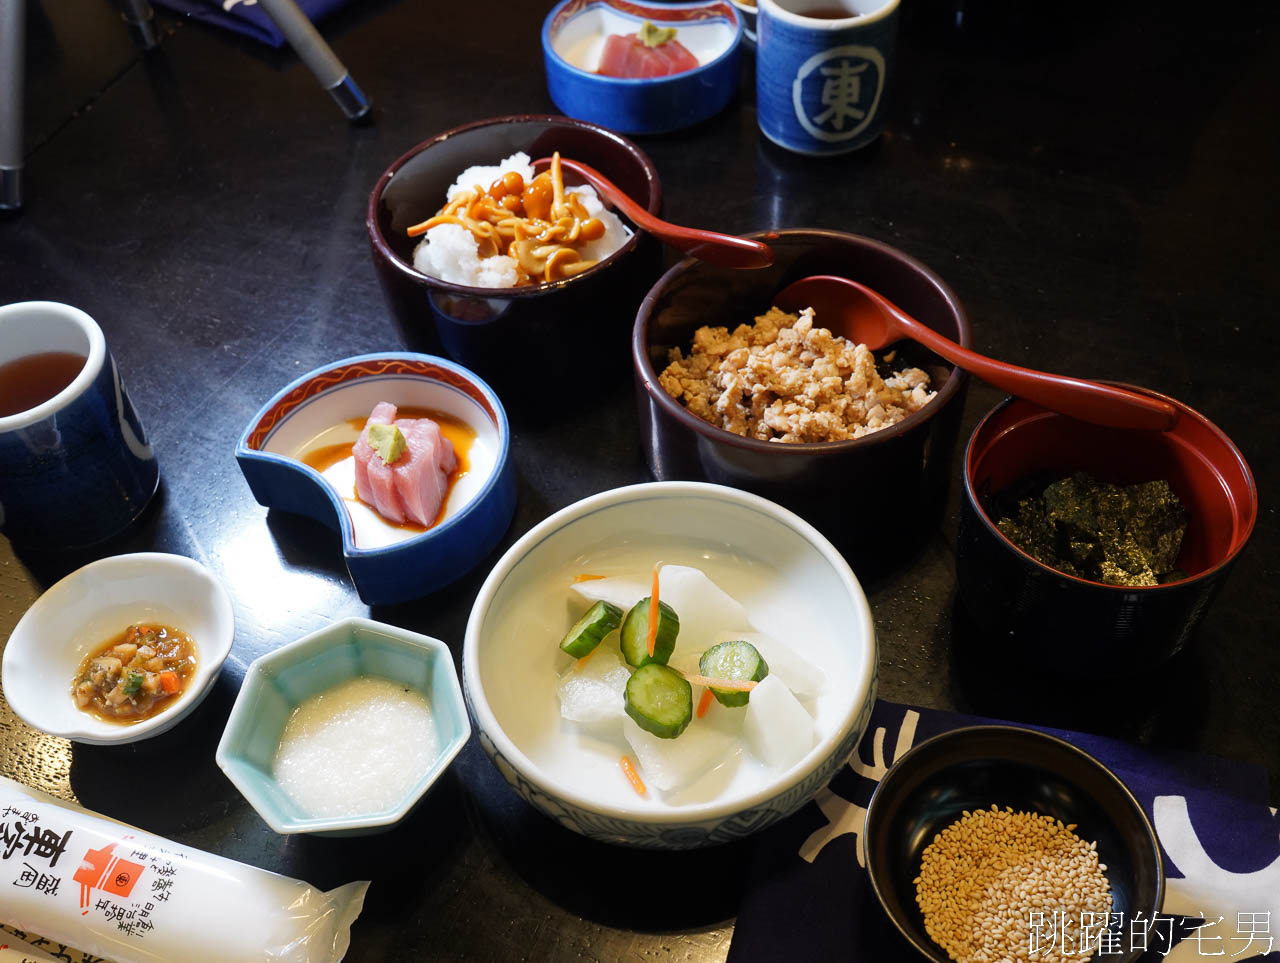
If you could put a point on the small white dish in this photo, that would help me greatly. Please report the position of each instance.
(94, 604)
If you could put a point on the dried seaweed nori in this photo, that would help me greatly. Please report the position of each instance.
(1103, 532)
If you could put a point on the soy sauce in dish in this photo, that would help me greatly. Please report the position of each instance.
(35, 378)
(136, 674)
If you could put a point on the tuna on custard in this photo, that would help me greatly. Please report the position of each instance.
(402, 466)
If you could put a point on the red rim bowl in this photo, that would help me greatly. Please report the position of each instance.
(1011, 593)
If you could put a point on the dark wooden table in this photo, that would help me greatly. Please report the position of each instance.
(1098, 185)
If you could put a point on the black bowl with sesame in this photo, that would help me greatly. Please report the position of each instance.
(958, 777)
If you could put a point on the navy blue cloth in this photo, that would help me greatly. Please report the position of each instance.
(245, 16)
(807, 897)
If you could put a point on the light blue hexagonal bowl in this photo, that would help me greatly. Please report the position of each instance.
(278, 682)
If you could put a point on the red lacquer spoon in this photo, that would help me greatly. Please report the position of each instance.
(710, 246)
(860, 314)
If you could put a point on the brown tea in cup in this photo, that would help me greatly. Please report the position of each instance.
(35, 378)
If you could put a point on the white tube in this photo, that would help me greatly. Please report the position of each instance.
(13, 950)
(114, 891)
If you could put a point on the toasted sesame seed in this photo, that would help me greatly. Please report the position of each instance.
(983, 876)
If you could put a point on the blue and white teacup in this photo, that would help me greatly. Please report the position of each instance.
(822, 68)
(75, 467)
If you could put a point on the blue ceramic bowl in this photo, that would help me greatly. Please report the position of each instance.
(326, 408)
(748, 12)
(277, 683)
(572, 39)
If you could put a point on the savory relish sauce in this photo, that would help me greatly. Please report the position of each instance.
(337, 465)
(136, 674)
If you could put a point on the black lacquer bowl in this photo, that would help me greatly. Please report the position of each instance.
(512, 337)
(973, 768)
(1039, 616)
(876, 497)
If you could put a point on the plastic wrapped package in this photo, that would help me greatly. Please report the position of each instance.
(129, 896)
(14, 950)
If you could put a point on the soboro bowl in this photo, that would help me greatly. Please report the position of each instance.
(877, 497)
(511, 336)
(973, 768)
(1078, 626)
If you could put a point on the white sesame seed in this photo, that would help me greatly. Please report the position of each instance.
(983, 875)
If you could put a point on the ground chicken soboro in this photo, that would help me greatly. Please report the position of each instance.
(784, 379)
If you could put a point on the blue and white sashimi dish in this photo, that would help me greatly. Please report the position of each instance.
(406, 455)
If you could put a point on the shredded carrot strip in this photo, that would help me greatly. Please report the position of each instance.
(633, 777)
(653, 610)
(704, 703)
(577, 666)
(735, 684)
(585, 578)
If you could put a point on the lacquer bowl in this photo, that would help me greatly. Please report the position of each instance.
(1043, 617)
(94, 604)
(805, 596)
(302, 417)
(518, 337)
(277, 683)
(573, 37)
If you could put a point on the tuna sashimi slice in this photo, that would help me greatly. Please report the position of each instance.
(628, 56)
(421, 474)
(383, 414)
(375, 483)
(676, 57)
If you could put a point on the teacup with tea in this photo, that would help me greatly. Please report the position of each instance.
(822, 72)
(75, 464)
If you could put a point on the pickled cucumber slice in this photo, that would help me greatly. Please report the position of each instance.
(634, 641)
(660, 700)
(590, 630)
(736, 661)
